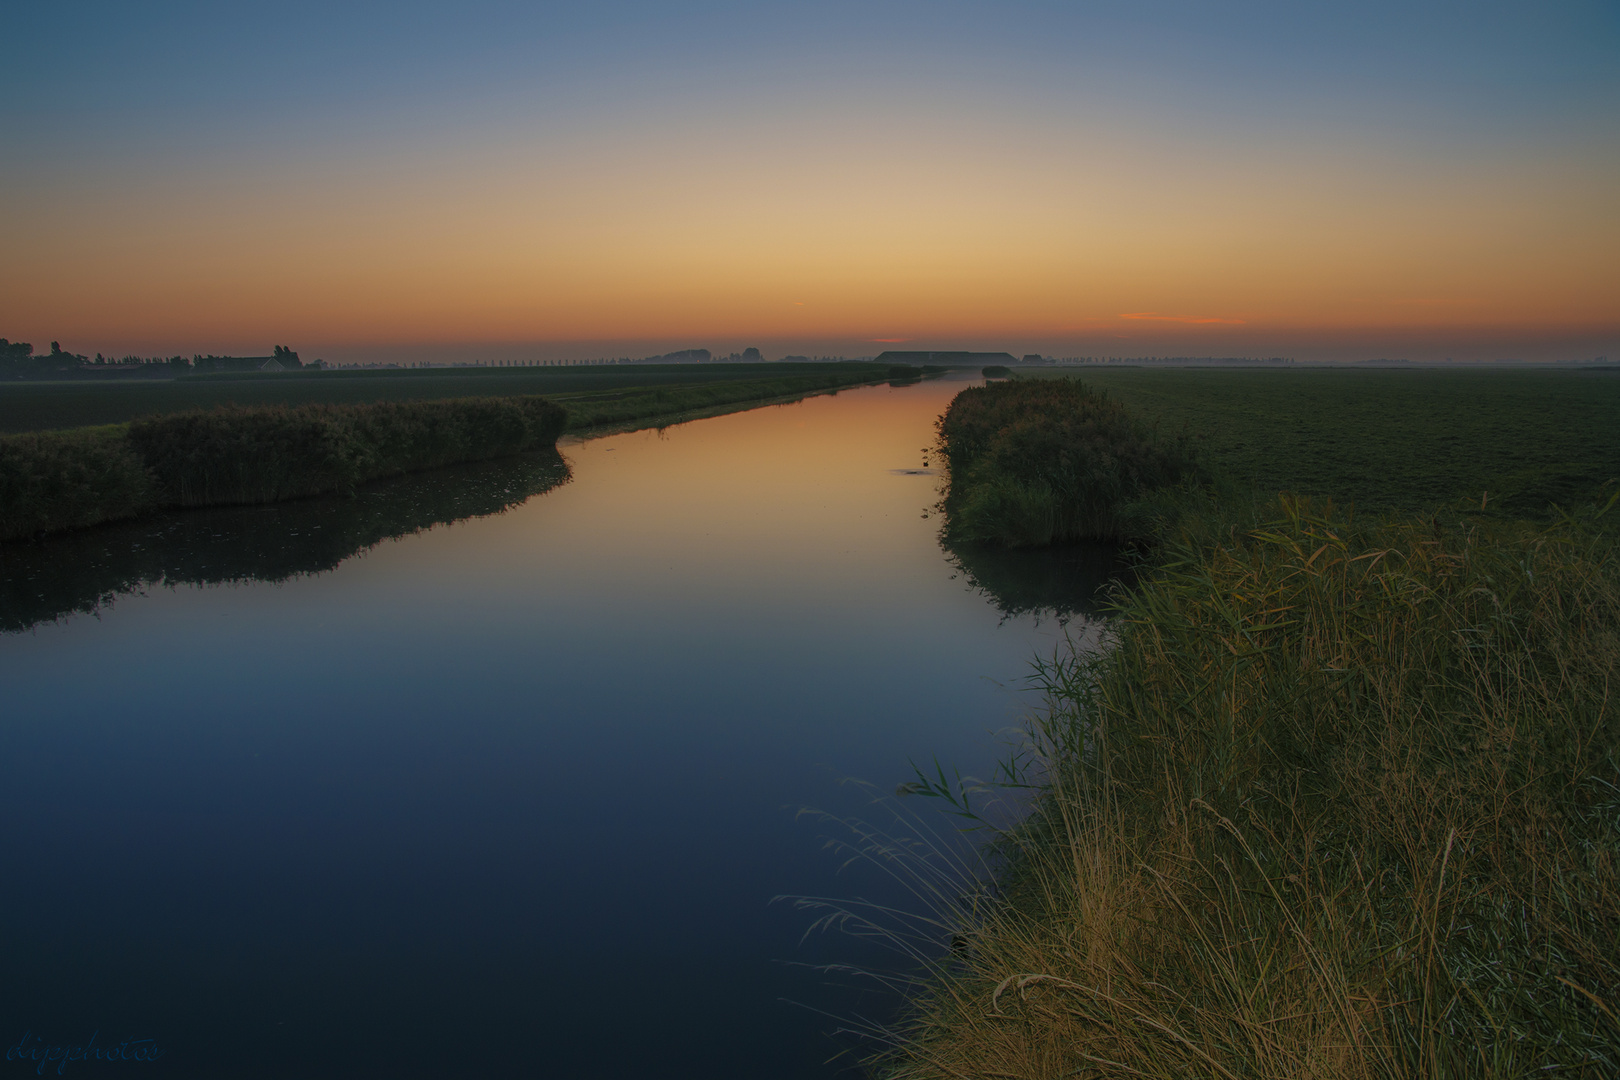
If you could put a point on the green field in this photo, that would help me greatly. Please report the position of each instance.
(1390, 440)
(45, 406)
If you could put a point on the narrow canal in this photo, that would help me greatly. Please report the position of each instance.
(330, 790)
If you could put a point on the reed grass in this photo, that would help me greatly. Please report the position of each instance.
(51, 481)
(260, 455)
(1340, 799)
(1042, 461)
(70, 479)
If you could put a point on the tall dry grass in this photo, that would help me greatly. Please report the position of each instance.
(1340, 800)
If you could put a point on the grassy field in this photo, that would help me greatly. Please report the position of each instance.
(44, 406)
(1391, 440)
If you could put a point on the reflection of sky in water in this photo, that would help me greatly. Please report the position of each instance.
(516, 790)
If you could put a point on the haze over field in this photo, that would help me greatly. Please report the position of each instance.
(544, 180)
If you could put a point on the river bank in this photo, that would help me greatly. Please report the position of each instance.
(232, 455)
(1340, 799)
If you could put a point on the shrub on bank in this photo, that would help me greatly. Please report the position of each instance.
(1033, 462)
(70, 479)
(1341, 800)
(67, 479)
(235, 455)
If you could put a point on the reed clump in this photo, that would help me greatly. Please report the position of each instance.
(1341, 799)
(1034, 462)
(230, 455)
(256, 455)
(70, 479)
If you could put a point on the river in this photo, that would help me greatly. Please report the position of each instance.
(371, 787)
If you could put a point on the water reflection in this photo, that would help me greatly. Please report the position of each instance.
(82, 572)
(505, 799)
(1061, 581)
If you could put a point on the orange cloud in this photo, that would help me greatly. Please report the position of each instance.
(1155, 317)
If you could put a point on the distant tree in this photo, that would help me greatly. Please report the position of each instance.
(752, 356)
(56, 348)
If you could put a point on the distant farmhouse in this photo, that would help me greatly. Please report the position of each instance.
(283, 359)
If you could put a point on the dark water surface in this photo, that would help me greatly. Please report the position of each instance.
(336, 789)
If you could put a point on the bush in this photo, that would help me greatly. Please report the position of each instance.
(1038, 461)
(67, 479)
(70, 479)
(255, 455)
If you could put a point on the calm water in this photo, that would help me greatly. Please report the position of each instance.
(504, 797)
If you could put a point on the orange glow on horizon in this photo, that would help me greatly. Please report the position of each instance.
(556, 250)
(1154, 317)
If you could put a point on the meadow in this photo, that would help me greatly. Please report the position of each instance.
(1390, 439)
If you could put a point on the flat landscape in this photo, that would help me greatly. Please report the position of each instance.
(46, 406)
(1386, 440)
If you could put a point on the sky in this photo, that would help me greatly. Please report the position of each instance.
(532, 180)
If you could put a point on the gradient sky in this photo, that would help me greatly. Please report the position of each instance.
(478, 180)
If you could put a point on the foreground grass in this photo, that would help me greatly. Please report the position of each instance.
(1341, 800)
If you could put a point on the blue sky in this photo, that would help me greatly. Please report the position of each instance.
(121, 117)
